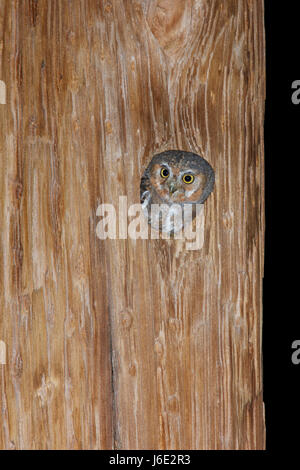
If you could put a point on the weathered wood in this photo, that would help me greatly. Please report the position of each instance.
(121, 343)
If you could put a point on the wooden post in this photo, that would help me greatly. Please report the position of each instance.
(129, 344)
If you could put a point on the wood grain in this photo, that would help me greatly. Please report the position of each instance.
(119, 343)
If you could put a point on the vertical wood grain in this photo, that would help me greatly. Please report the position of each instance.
(120, 343)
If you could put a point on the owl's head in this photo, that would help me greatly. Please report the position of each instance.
(180, 177)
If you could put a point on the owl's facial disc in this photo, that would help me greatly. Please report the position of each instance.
(177, 184)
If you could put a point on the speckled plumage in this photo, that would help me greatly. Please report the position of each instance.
(172, 191)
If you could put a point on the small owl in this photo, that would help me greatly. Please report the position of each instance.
(173, 179)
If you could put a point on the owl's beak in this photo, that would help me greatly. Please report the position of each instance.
(172, 188)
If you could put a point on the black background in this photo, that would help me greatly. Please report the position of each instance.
(281, 325)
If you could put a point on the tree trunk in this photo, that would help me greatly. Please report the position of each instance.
(129, 344)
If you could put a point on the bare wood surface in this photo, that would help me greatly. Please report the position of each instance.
(120, 343)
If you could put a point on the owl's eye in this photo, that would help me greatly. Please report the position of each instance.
(164, 173)
(188, 178)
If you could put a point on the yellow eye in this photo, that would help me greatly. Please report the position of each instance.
(188, 178)
(164, 172)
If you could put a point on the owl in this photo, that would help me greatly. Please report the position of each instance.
(172, 180)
